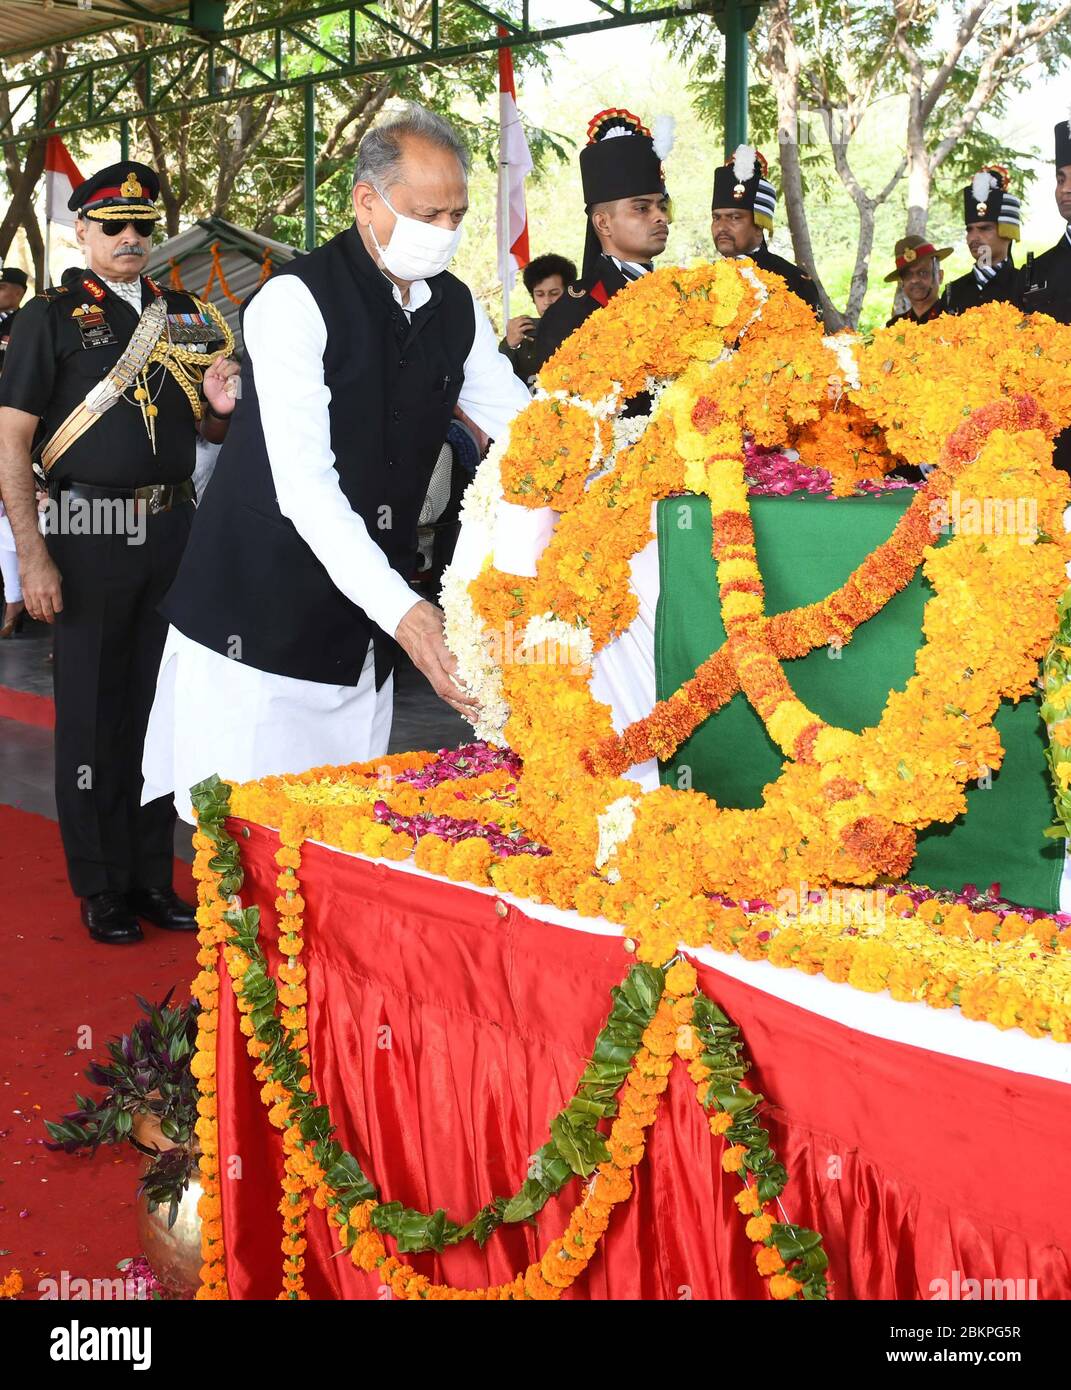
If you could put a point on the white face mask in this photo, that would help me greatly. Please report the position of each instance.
(416, 250)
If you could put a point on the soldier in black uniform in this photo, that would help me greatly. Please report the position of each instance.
(12, 289)
(742, 211)
(993, 219)
(1045, 283)
(628, 216)
(120, 508)
(918, 271)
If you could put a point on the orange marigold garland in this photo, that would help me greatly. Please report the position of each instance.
(847, 806)
(790, 1257)
(273, 1020)
(212, 930)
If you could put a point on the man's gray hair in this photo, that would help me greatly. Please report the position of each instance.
(379, 158)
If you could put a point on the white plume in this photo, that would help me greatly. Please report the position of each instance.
(744, 163)
(982, 185)
(615, 132)
(664, 133)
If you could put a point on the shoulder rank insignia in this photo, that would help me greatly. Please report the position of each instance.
(52, 291)
(577, 292)
(91, 287)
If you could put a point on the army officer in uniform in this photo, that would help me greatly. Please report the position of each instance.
(119, 513)
(628, 217)
(742, 210)
(992, 216)
(1045, 283)
(12, 292)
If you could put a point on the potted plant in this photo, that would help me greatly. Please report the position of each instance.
(149, 1101)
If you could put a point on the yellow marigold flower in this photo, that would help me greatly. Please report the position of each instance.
(681, 978)
(768, 1260)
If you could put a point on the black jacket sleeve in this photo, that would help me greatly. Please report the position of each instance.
(30, 360)
(561, 320)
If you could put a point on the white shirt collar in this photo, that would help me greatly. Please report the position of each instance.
(130, 290)
(630, 269)
(419, 294)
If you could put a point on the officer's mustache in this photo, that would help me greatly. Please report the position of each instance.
(128, 250)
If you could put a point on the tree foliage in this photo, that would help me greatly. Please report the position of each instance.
(825, 66)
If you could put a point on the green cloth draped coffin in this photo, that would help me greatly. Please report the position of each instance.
(807, 546)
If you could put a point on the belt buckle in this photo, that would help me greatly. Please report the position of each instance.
(159, 499)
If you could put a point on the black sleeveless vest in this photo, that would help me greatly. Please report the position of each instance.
(246, 573)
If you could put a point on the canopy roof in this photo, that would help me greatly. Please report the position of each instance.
(27, 26)
(187, 260)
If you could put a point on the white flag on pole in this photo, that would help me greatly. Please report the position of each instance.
(514, 166)
(61, 179)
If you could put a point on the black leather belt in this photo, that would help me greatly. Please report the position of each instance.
(158, 497)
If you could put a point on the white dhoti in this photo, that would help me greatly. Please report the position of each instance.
(9, 565)
(212, 714)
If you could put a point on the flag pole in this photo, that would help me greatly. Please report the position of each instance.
(503, 231)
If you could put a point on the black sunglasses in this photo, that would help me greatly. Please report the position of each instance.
(144, 226)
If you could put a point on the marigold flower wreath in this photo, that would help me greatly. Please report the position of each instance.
(726, 348)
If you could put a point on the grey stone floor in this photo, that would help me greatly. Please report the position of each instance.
(421, 721)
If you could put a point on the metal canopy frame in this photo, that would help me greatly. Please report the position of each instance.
(106, 93)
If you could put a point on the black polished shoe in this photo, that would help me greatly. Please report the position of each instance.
(110, 920)
(163, 908)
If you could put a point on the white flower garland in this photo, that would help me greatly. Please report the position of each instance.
(615, 826)
(842, 346)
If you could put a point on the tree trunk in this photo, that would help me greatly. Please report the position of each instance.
(21, 210)
(919, 180)
(37, 250)
(784, 64)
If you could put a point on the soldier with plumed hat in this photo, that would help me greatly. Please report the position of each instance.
(918, 270)
(742, 212)
(993, 218)
(109, 380)
(1045, 283)
(628, 217)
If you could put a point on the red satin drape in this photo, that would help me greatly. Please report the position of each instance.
(444, 1038)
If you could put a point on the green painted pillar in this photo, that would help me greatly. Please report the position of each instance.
(735, 22)
(310, 167)
(124, 140)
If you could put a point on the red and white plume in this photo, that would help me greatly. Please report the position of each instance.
(61, 179)
(514, 166)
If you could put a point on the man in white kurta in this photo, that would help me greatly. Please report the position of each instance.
(213, 714)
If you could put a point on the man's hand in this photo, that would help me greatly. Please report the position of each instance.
(518, 329)
(221, 385)
(482, 439)
(41, 586)
(420, 634)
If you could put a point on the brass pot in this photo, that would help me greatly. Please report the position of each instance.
(175, 1254)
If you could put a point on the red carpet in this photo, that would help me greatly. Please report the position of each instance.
(26, 708)
(59, 1212)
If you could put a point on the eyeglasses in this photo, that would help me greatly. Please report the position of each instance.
(142, 225)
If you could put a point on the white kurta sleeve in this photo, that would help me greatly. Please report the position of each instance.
(492, 394)
(285, 336)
